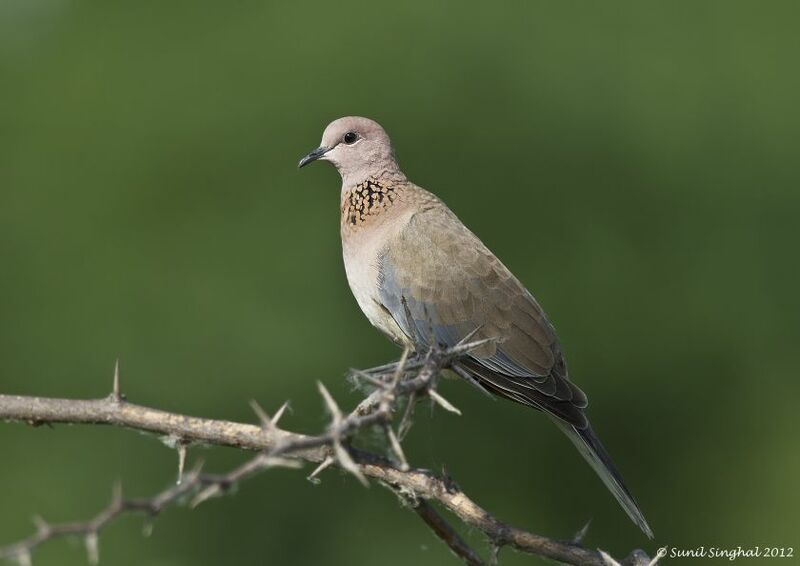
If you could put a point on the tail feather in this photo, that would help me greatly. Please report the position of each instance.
(592, 450)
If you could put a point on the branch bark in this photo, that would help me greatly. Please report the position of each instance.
(392, 383)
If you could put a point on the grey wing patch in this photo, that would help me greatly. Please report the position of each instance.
(419, 321)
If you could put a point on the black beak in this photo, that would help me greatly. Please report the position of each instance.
(313, 156)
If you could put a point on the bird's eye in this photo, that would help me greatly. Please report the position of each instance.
(350, 138)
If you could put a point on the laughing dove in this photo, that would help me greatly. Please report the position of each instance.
(421, 276)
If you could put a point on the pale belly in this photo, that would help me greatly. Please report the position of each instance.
(363, 272)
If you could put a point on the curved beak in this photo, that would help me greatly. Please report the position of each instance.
(313, 156)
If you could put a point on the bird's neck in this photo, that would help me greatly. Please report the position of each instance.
(383, 170)
(369, 200)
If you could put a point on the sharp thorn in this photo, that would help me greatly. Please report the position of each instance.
(263, 417)
(581, 534)
(347, 463)
(326, 463)
(181, 461)
(147, 527)
(397, 448)
(469, 336)
(464, 374)
(359, 374)
(278, 462)
(464, 348)
(494, 557)
(442, 402)
(329, 401)
(116, 494)
(401, 366)
(209, 492)
(42, 526)
(92, 548)
(23, 558)
(116, 392)
(280, 412)
(607, 560)
(405, 421)
(194, 473)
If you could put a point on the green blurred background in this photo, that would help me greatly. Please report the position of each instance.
(635, 164)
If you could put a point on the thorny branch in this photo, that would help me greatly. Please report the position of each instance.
(406, 381)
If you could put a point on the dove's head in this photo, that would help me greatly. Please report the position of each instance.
(358, 147)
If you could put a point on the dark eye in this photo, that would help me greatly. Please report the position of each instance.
(350, 138)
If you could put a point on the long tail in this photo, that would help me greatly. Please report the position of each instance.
(590, 447)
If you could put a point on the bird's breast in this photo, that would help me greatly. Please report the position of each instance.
(362, 251)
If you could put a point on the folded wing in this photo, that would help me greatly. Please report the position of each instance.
(440, 283)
